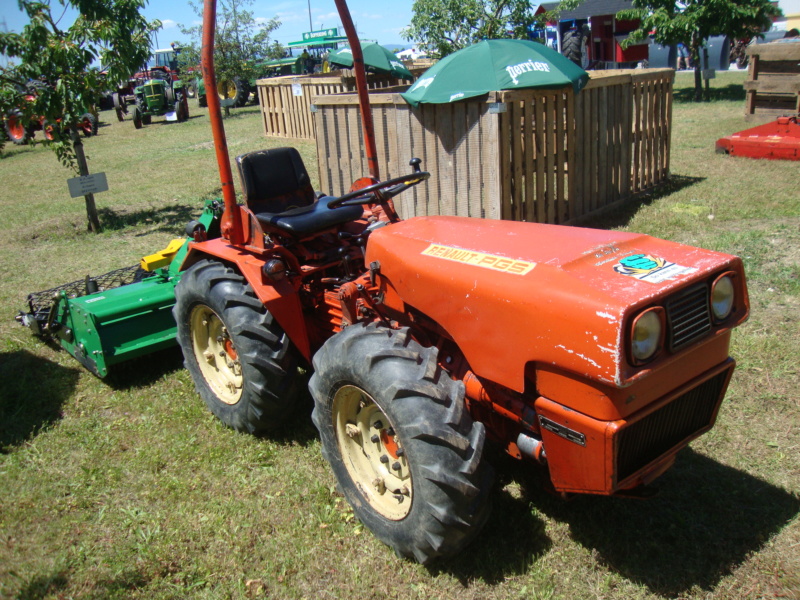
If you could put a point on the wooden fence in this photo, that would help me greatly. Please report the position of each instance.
(286, 101)
(535, 155)
(773, 81)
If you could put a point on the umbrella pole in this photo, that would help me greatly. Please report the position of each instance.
(361, 87)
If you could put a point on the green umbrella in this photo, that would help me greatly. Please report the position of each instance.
(376, 59)
(493, 65)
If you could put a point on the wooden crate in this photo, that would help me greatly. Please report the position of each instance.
(532, 155)
(773, 81)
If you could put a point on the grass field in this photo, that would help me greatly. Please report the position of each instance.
(128, 487)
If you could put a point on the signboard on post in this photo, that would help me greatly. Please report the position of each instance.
(321, 33)
(88, 184)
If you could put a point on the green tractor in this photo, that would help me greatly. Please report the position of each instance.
(158, 95)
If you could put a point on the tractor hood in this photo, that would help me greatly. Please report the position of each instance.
(514, 293)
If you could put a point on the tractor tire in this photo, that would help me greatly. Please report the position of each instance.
(405, 452)
(49, 131)
(573, 46)
(137, 117)
(242, 92)
(191, 90)
(88, 125)
(202, 100)
(242, 362)
(147, 119)
(119, 108)
(15, 130)
(170, 95)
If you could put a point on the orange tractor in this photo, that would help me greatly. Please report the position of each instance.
(596, 355)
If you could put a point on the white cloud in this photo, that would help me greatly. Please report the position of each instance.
(168, 24)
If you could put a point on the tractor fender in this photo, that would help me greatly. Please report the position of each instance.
(280, 298)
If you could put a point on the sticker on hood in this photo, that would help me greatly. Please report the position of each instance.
(479, 259)
(652, 269)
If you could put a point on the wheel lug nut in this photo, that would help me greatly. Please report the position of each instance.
(400, 452)
(384, 459)
(390, 431)
(396, 466)
(377, 425)
(375, 438)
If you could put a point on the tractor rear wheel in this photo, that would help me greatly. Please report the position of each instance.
(15, 130)
(119, 108)
(573, 46)
(88, 125)
(397, 434)
(242, 362)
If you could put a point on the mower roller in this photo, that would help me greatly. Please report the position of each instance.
(777, 140)
(120, 315)
(594, 355)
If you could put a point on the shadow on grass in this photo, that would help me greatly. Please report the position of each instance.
(145, 370)
(170, 218)
(715, 94)
(33, 392)
(621, 215)
(53, 587)
(708, 519)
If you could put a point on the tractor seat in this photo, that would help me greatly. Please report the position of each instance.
(278, 191)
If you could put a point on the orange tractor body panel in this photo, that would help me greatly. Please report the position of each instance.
(514, 293)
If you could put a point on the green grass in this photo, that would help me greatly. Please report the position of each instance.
(129, 488)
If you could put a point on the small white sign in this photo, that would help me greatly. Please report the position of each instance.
(709, 74)
(171, 116)
(89, 184)
(297, 89)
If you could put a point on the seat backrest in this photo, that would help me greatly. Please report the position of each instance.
(274, 180)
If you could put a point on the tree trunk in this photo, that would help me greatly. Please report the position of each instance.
(93, 224)
(698, 67)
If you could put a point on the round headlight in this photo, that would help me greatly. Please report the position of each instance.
(722, 294)
(646, 335)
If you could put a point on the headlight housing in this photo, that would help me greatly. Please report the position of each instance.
(647, 335)
(723, 294)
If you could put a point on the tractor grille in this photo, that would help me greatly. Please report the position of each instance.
(688, 316)
(41, 301)
(659, 432)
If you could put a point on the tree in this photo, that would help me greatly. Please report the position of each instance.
(112, 32)
(692, 22)
(240, 42)
(444, 26)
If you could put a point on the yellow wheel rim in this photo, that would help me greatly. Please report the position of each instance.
(372, 454)
(216, 355)
(226, 89)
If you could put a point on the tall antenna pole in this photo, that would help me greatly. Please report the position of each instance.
(310, 26)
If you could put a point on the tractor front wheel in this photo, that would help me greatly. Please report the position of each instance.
(88, 125)
(242, 362)
(137, 117)
(404, 450)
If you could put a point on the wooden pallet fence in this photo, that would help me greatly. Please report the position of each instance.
(546, 156)
(773, 81)
(286, 101)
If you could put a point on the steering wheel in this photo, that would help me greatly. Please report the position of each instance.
(388, 189)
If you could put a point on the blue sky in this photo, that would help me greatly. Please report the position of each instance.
(381, 21)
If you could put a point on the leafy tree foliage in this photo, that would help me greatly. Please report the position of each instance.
(692, 22)
(444, 26)
(241, 40)
(111, 32)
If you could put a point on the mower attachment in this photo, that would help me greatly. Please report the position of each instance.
(777, 140)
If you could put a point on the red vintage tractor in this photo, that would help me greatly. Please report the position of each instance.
(596, 355)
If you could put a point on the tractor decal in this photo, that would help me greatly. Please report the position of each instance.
(479, 259)
(650, 268)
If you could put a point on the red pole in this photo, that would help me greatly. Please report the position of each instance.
(361, 87)
(231, 224)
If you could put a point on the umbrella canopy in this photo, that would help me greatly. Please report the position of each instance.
(376, 58)
(493, 65)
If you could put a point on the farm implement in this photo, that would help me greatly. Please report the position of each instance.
(120, 315)
(595, 356)
(779, 139)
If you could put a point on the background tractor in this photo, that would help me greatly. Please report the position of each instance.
(158, 95)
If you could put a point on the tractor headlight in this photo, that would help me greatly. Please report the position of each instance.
(647, 334)
(722, 296)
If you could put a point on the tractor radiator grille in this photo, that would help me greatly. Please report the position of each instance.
(688, 316)
(42, 301)
(659, 432)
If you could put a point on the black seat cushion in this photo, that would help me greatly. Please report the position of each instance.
(278, 190)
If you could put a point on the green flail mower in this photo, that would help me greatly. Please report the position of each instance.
(126, 313)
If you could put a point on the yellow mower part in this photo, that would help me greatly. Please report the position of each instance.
(163, 257)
